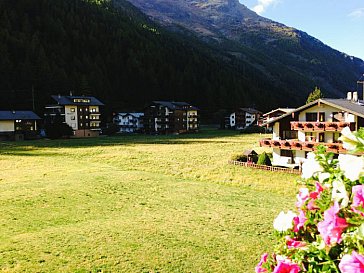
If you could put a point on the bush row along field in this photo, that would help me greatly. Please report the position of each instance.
(137, 204)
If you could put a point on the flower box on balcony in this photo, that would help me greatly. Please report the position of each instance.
(300, 125)
(267, 142)
(334, 147)
(331, 127)
(319, 126)
(309, 126)
(286, 144)
(296, 145)
(294, 125)
(308, 146)
(276, 143)
(342, 125)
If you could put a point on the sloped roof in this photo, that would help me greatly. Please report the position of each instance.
(69, 100)
(251, 110)
(14, 115)
(356, 108)
(175, 105)
(134, 114)
(250, 152)
(286, 110)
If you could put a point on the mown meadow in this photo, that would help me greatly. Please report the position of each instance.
(137, 204)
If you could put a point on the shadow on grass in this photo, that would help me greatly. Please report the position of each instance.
(30, 148)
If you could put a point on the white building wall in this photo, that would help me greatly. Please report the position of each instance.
(7, 126)
(328, 110)
(276, 131)
(71, 116)
(232, 120)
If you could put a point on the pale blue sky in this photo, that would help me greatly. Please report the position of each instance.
(337, 23)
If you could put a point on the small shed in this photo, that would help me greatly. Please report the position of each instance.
(250, 155)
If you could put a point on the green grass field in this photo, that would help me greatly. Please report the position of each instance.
(137, 204)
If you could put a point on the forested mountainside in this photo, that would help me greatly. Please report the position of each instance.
(284, 55)
(113, 51)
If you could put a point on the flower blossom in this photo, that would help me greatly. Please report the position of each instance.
(358, 199)
(302, 196)
(259, 268)
(350, 141)
(332, 226)
(284, 221)
(353, 263)
(339, 193)
(351, 165)
(292, 243)
(286, 266)
(299, 221)
(310, 166)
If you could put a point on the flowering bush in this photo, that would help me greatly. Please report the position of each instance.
(326, 233)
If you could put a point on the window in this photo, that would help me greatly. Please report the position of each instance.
(286, 153)
(289, 134)
(81, 100)
(311, 116)
(309, 136)
(335, 137)
(321, 137)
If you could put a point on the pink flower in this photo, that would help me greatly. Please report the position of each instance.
(259, 268)
(299, 221)
(316, 194)
(286, 266)
(302, 196)
(358, 198)
(292, 243)
(332, 227)
(353, 263)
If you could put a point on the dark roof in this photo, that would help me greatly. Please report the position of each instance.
(175, 105)
(14, 115)
(250, 152)
(250, 110)
(356, 108)
(69, 100)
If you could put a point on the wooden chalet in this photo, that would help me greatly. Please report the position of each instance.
(319, 122)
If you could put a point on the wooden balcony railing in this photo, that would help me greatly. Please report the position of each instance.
(294, 144)
(321, 126)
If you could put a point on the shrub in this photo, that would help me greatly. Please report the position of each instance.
(264, 160)
(253, 129)
(241, 158)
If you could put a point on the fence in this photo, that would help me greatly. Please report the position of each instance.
(265, 167)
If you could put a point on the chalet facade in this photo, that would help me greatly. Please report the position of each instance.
(129, 122)
(242, 118)
(81, 113)
(276, 113)
(166, 117)
(18, 125)
(319, 122)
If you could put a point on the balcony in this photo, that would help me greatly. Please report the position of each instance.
(321, 126)
(295, 144)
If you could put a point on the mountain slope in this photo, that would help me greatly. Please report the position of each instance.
(120, 56)
(269, 46)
